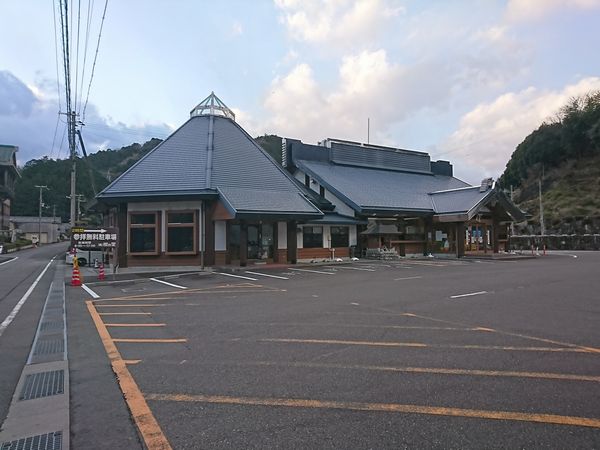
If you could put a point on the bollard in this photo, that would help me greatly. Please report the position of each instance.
(101, 274)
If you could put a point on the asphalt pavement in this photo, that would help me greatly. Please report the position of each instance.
(395, 354)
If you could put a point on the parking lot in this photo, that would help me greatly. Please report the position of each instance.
(400, 354)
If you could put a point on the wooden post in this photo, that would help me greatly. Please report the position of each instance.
(275, 242)
(460, 239)
(243, 243)
(209, 234)
(121, 256)
(292, 242)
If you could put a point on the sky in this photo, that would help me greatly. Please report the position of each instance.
(466, 81)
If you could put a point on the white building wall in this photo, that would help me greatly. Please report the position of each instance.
(353, 238)
(220, 235)
(326, 236)
(299, 239)
(282, 235)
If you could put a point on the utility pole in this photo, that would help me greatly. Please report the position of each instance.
(41, 188)
(542, 226)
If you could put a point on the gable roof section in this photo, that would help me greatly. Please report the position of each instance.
(213, 155)
(367, 189)
(458, 200)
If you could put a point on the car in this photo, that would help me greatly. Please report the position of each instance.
(85, 256)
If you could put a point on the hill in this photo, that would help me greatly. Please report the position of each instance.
(565, 155)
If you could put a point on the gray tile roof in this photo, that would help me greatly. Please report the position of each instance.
(246, 177)
(459, 200)
(372, 189)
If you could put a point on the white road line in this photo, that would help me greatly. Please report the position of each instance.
(20, 303)
(355, 304)
(267, 275)
(16, 257)
(89, 291)
(168, 284)
(469, 295)
(313, 271)
(358, 268)
(406, 278)
(235, 276)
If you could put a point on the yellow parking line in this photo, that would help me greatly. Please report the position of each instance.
(422, 345)
(150, 341)
(381, 407)
(361, 325)
(142, 415)
(134, 324)
(212, 289)
(435, 370)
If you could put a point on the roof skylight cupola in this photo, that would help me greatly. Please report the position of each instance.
(212, 106)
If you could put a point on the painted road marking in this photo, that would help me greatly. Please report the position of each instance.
(168, 284)
(150, 341)
(6, 322)
(381, 407)
(407, 278)
(89, 291)
(366, 269)
(361, 325)
(435, 370)
(142, 415)
(9, 261)
(135, 324)
(267, 275)
(313, 271)
(469, 295)
(422, 345)
(235, 276)
(126, 314)
(131, 306)
(132, 361)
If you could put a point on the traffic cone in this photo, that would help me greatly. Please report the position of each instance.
(101, 272)
(76, 277)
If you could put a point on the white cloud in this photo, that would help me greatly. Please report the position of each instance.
(488, 134)
(536, 9)
(341, 22)
(236, 29)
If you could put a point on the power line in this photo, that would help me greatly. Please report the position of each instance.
(56, 56)
(95, 58)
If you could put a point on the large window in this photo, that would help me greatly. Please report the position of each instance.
(181, 232)
(340, 237)
(143, 233)
(312, 237)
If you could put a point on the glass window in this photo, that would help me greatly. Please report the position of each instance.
(312, 237)
(142, 233)
(181, 232)
(142, 240)
(340, 237)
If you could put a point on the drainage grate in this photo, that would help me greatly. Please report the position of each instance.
(49, 346)
(43, 384)
(46, 326)
(50, 441)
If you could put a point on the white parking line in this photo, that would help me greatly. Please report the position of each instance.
(16, 257)
(358, 268)
(469, 295)
(235, 276)
(406, 278)
(168, 284)
(89, 291)
(20, 303)
(267, 275)
(313, 271)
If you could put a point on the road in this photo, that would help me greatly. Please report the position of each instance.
(18, 271)
(410, 354)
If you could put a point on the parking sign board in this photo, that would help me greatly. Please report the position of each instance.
(101, 237)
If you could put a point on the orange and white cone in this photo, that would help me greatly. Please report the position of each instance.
(76, 277)
(101, 275)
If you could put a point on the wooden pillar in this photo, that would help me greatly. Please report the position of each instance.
(495, 234)
(292, 242)
(243, 243)
(460, 239)
(428, 247)
(275, 242)
(121, 257)
(484, 234)
(227, 243)
(209, 234)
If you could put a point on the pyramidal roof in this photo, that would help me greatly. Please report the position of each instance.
(212, 155)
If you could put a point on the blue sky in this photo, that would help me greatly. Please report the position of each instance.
(464, 80)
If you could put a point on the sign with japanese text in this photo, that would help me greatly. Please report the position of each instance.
(101, 237)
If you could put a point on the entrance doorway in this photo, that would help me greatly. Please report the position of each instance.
(260, 241)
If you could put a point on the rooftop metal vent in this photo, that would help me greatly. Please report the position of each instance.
(212, 106)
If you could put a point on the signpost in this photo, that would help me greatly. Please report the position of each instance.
(99, 237)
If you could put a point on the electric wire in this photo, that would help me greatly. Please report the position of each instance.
(56, 56)
(95, 58)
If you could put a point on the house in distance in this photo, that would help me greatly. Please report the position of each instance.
(209, 195)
